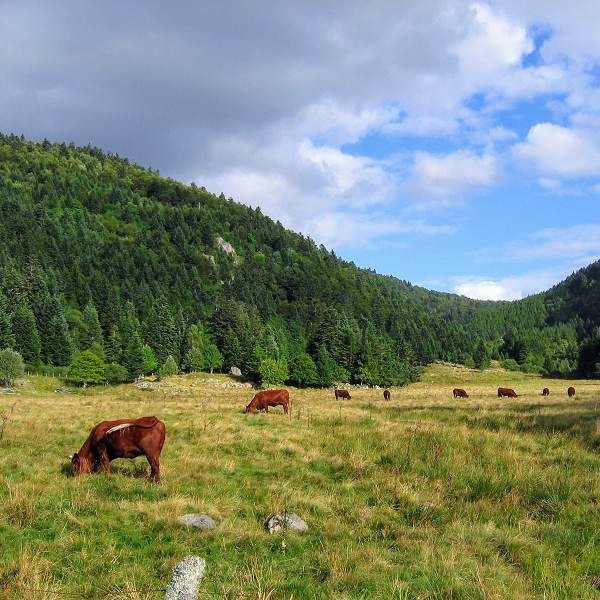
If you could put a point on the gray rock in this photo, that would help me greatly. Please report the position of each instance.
(283, 521)
(186, 579)
(7, 391)
(198, 521)
(235, 372)
(64, 390)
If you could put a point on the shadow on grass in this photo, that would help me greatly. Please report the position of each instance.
(580, 423)
(137, 470)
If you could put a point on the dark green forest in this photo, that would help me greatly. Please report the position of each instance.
(109, 271)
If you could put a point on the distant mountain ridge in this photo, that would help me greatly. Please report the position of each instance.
(91, 238)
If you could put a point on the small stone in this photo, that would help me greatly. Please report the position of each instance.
(63, 390)
(283, 521)
(198, 521)
(186, 579)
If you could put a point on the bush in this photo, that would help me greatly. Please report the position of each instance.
(273, 372)
(303, 370)
(86, 368)
(168, 369)
(510, 364)
(11, 366)
(115, 373)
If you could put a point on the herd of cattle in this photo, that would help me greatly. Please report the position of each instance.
(128, 438)
(509, 393)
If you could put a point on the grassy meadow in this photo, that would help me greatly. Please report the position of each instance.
(422, 497)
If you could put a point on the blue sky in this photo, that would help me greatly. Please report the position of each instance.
(453, 144)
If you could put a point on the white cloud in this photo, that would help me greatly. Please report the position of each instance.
(559, 151)
(573, 242)
(487, 289)
(451, 176)
(512, 287)
(494, 44)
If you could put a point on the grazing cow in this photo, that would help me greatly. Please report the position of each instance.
(545, 392)
(262, 401)
(387, 394)
(342, 394)
(124, 438)
(459, 393)
(506, 392)
(571, 391)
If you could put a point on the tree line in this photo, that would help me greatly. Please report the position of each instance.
(109, 271)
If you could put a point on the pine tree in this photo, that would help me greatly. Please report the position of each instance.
(59, 347)
(161, 331)
(168, 369)
(133, 358)
(27, 338)
(150, 362)
(92, 329)
(7, 339)
(112, 346)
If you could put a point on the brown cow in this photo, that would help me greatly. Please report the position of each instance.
(262, 401)
(387, 394)
(342, 394)
(506, 392)
(123, 438)
(545, 392)
(459, 393)
(571, 391)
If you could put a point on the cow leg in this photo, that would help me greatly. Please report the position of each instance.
(104, 458)
(285, 409)
(154, 468)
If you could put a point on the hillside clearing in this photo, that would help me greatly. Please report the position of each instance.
(423, 496)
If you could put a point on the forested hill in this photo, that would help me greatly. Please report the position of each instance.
(100, 255)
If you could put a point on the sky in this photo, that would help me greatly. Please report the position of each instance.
(452, 144)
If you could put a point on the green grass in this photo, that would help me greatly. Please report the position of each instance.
(422, 497)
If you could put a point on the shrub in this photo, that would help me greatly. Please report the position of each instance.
(86, 368)
(273, 372)
(11, 366)
(510, 364)
(115, 373)
(303, 370)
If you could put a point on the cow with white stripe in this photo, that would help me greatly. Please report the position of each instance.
(123, 438)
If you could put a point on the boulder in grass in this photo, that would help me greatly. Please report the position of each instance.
(63, 390)
(186, 579)
(198, 521)
(235, 371)
(285, 521)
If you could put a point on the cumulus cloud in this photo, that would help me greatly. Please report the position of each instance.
(262, 101)
(511, 287)
(559, 151)
(451, 176)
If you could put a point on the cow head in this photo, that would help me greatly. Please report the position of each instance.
(252, 407)
(80, 465)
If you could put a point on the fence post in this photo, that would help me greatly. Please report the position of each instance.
(186, 579)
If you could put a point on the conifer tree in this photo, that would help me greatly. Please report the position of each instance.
(92, 329)
(7, 339)
(113, 345)
(59, 346)
(27, 338)
(161, 332)
(133, 358)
